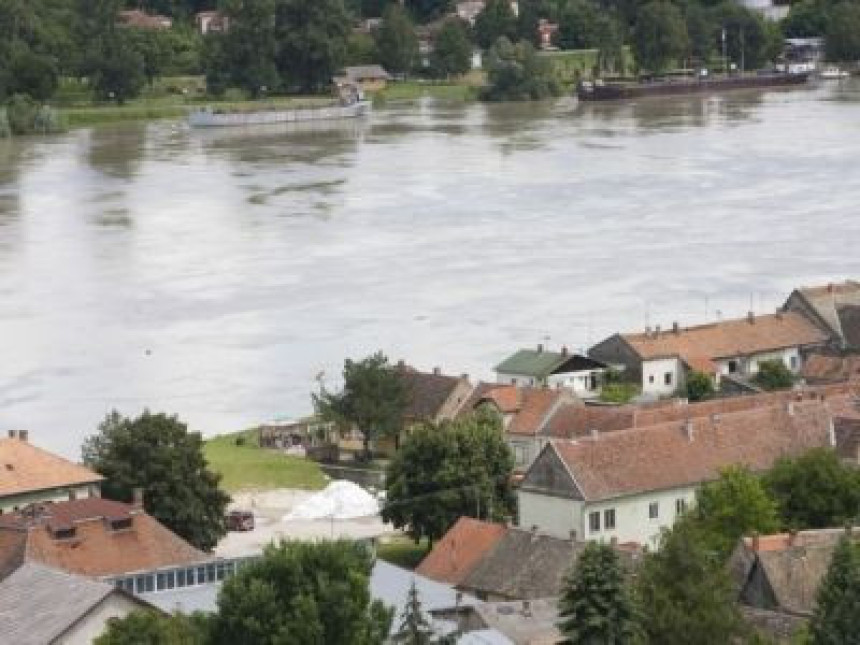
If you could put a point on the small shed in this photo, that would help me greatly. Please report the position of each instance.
(369, 78)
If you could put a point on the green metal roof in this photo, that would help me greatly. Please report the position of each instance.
(530, 362)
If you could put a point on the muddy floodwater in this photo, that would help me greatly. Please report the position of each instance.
(217, 274)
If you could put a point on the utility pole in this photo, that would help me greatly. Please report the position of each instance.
(725, 56)
(743, 57)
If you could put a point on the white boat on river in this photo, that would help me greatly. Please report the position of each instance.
(208, 117)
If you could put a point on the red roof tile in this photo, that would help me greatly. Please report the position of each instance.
(460, 550)
(25, 468)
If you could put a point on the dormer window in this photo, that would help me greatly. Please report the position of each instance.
(120, 523)
(64, 532)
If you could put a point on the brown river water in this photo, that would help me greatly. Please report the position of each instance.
(215, 274)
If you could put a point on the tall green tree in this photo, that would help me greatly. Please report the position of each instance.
(734, 505)
(702, 32)
(496, 20)
(117, 71)
(373, 399)
(836, 619)
(577, 25)
(302, 592)
(685, 593)
(428, 10)
(843, 32)
(609, 40)
(397, 42)
(659, 36)
(452, 55)
(156, 452)
(33, 74)
(596, 606)
(815, 490)
(312, 37)
(414, 627)
(516, 73)
(446, 471)
(751, 41)
(807, 19)
(244, 57)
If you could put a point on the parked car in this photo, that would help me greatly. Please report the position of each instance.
(240, 521)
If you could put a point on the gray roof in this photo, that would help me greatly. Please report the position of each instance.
(38, 604)
(366, 72)
(537, 624)
(524, 564)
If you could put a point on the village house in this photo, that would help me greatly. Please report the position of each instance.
(546, 33)
(93, 537)
(834, 308)
(212, 22)
(370, 78)
(542, 368)
(531, 416)
(781, 573)
(661, 359)
(44, 606)
(137, 19)
(629, 484)
(29, 474)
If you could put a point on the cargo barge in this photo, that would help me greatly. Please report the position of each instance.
(600, 91)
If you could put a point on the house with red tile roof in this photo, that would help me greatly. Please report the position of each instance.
(460, 550)
(661, 359)
(93, 537)
(29, 474)
(629, 484)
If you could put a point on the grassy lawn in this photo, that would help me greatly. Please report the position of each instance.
(462, 90)
(402, 551)
(250, 467)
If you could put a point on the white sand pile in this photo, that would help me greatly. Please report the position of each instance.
(341, 500)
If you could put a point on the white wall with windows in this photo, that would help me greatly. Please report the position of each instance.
(749, 365)
(662, 376)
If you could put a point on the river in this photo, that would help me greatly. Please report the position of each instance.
(215, 274)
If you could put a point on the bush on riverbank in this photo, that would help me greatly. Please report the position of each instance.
(516, 73)
(22, 115)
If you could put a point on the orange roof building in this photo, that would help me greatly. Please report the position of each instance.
(460, 550)
(629, 484)
(92, 537)
(662, 358)
(29, 474)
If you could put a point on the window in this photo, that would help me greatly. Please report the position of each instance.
(667, 378)
(201, 575)
(210, 573)
(149, 583)
(680, 506)
(733, 367)
(594, 521)
(650, 378)
(161, 582)
(180, 578)
(609, 519)
(653, 510)
(519, 454)
(792, 362)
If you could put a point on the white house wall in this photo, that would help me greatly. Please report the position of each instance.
(654, 376)
(750, 365)
(556, 516)
(12, 502)
(632, 520)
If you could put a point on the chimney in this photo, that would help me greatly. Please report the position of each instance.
(437, 371)
(527, 608)
(540, 348)
(750, 317)
(789, 408)
(779, 312)
(676, 328)
(464, 376)
(688, 429)
(23, 435)
(137, 497)
(648, 331)
(564, 350)
(657, 331)
(715, 418)
(595, 434)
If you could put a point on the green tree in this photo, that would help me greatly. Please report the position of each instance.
(154, 48)
(156, 452)
(609, 41)
(312, 37)
(302, 592)
(751, 40)
(118, 69)
(516, 73)
(659, 36)
(806, 19)
(244, 57)
(428, 10)
(700, 386)
(685, 593)
(151, 628)
(373, 399)
(595, 605)
(452, 55)
(702, 32)
(773, 375)
(496, 20)
(836, 619)
(446, 471)
(397, 42)
(815, 490)
(414, 628)
(577, 25)
(843, 32)
(734, 505)
(34, 75)
(361, 50)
